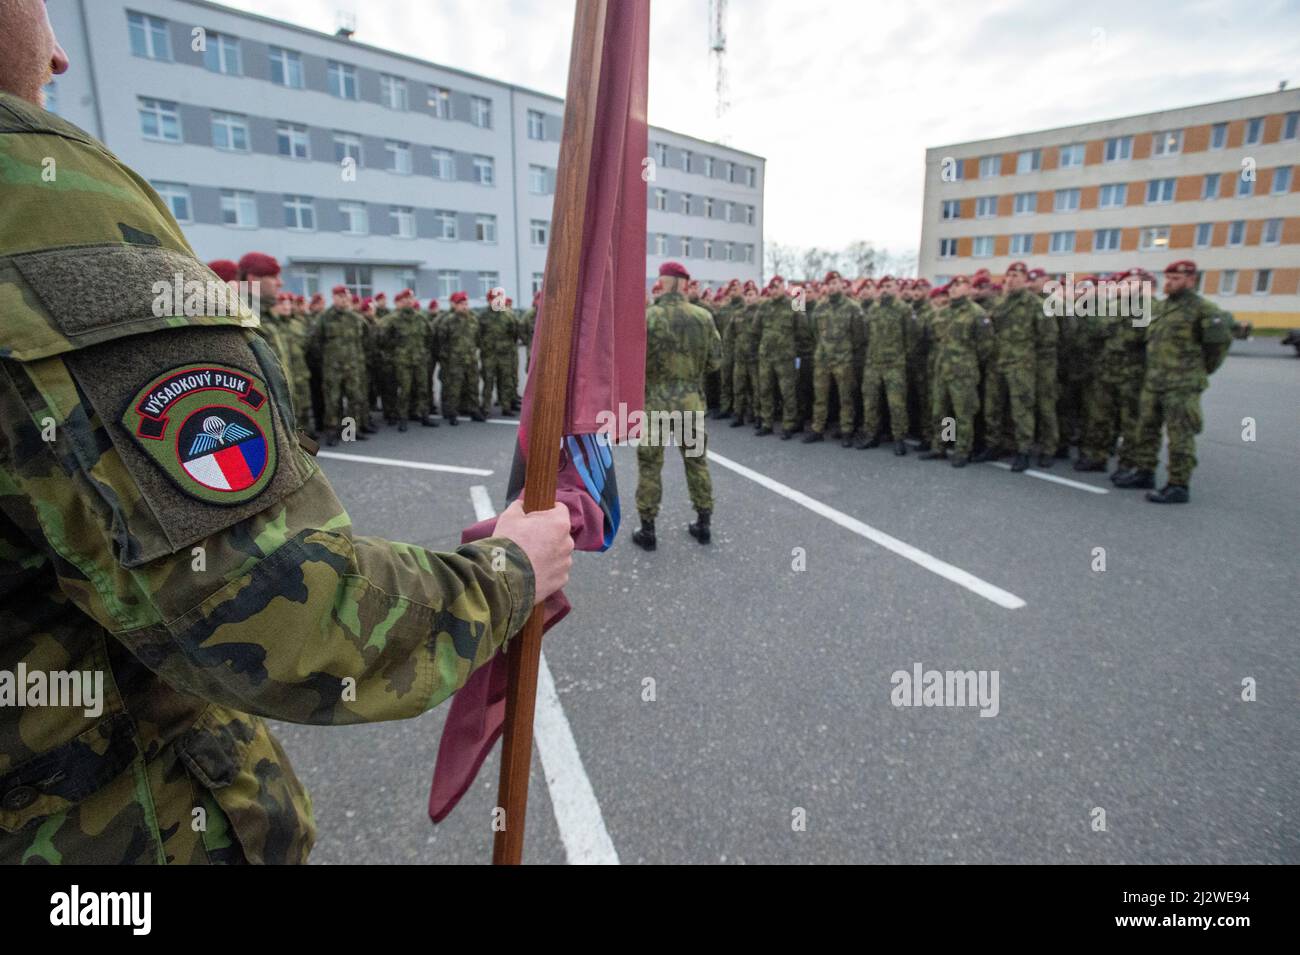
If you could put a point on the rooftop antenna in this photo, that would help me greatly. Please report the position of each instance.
(718, 50)
(347, 24)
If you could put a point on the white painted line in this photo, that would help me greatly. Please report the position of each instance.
(399, 463)
(933, 564)
(577, 813)
(1045, 476)
(513, 421)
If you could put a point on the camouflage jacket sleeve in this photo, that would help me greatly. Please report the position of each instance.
(1216, 335)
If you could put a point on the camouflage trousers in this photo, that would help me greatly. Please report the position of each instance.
(410, 388)
(960, 396)
(1045, 387)
(1179, 411)
(346, 383)
(726, 387)
(1113, 414)
(744, 381)
(459, 380)
(777, 377)
(1011, 389)
(918, 394)
(826, 371)
(892, 379)
(498, 373)
(388, 388)
(649, 478)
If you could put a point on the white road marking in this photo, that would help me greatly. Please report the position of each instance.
(512, 421)
(577, 813)
(933, 564)
(399, 463)
(1046, 476)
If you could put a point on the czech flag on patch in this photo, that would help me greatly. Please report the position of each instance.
(223, 451)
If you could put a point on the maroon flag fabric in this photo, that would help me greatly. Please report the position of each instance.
(606, 370)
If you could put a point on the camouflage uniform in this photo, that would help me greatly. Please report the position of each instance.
(781, 336)
(201, 618)
(459, 343)
(497, 337)
(526, 336)
(1046, 377)
(1116, 389)
(682, 346)
(1076, 352)
(340, 340)
(293, 332)
(918, 369)
(1011, 385)
(1187, 340)
(726, 319)
(406, 341)
(887, 323)
(744, 370)
(839, 333)
(962, 337)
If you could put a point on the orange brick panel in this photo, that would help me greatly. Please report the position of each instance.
(1182, 236)
(1092, 152)
(1196, 139)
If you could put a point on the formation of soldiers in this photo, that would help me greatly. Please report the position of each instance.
(355, 361)
(976, 369)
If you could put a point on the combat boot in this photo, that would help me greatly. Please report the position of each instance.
(1170, 494)
(1045, 460)
(988, 454)
(401, 425)
(813, 436)
(507, 413)
(863, 443)
(700, 529)
(846, 441)
(762, 431)
(1020, 462)
(477, 416)
(453, 421)
(739, 422)
(1088, 464)
(1063, 452)
(787, 434)
(644, 536)
(1119, 472)
(960, 460)
(1138, 479)
(333, 439)
(923, 446)
(368, 428)
(429, 421)
(935, 454)
(900, 448)
(837, 434)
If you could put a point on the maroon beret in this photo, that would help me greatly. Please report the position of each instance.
(341, 290)
(1181, 267)
(258, 265)
(226, 270)
(458, 297)
(675, 269)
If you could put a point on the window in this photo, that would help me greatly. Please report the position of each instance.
(1289, 124)
(342, 80)
(947, 248)
(686, 160)
(1072, 156)
(661, 154)
(305, 279)
(661, 244)
(403, 220)
(443, 167)
(229, 131)
(982, 246)
(708, 166)
(1061, 242)
(448, 283)
(1168, 143)
(291, 140)
(1118, 148)
(484, 170)
(729, 252)
(729, 212)
(347, 146)
(397, 157)
(177, 198)
(1211, 188)
(708, 248)
(1154, 238)
(299, 213)
(1066, 200)
(1245, 187)
(238, 208)
(444, 225)
(951, 209)
(1112, 195)
(1281, 180)
(731, 171)
(1237, 232)
(750, 213)
(359, 279)
(1228, 282)
(661, 200)
(536, 125)
(222, 54)
(1204, 235)
(751, 180)
(538, 180)
(439, 101)
(393, 94)
(686, 203)
(480, 111)
(356, 221)
(537, 232)
(1022, 243)
(1218, 135)
(485, 228)
(986, 207)
(990, 166)
(1271, 235)
(159, 120)
(487, 281)
(1105, 240)
(1025, 203)
(749, 252)
(286, 68)
(538, 278)
(406, 279)
(148, 36)
(1263, 281)
(1029, 160)
(1254, 131)
(708, 207)
(686, 246)
(1160, 190)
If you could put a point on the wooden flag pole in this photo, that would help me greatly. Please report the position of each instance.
(545, 427)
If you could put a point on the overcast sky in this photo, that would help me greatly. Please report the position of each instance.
(843, 97)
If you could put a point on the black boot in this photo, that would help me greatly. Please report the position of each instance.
(507, 413)
(1170, 494)
(762, 431)
(333, 439)
(453, 421)
(1138, 478)
(900, 448)
(1045, 460)
(401, 425)
(1020, 462)
(644, 537)
(846, 441)
(864, 443)
(923, 446)
(960, 460)
(739, 422)
(429, 421)
(477, 416)
(934, 454)
(700, 529)
(1088, 464)
(813, 436)
(787, 434)
(988, 454)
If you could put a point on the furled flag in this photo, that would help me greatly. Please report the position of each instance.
(606, 372)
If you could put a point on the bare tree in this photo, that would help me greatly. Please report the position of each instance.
(781, 258)
(860, 259)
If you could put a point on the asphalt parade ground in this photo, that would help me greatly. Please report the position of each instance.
(736, 703)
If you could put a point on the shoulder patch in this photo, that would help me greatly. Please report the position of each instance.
(209, 428)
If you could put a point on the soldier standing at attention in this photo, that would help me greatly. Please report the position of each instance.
(839, 332)
(1046, 371)
(918, 363)
(780, 334)
(1186, 342)
(1117, 381)
(526, 330)
(174, 433)
(744, 370)
(732, 302)
(886, 369)
(407, 343)
(340, 340)
(1011, 383)
(958, 344)
(682, 347)
(459, 361)
(497, 337)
